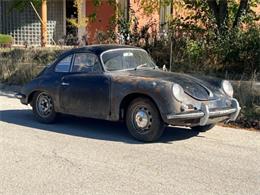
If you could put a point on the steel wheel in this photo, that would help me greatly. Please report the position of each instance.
(43, 107)
(143, 120)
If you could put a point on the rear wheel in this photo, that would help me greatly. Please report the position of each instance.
(43, 107)
(203, 128)
(143, 120)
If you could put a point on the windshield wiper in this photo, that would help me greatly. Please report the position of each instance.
(141, 65)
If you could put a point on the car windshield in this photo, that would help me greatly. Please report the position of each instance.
(124, 59)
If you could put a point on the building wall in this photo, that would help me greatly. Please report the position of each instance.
(24, 25)
(104, 14)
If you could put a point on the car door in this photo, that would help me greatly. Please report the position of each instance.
(51, 81)
(86, 90)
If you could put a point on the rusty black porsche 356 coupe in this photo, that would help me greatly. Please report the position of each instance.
(114, 82)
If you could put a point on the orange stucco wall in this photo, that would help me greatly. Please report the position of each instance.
(104, 12)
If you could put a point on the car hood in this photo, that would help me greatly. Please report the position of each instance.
(198, 88)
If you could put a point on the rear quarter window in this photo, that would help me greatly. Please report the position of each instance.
(64, 64)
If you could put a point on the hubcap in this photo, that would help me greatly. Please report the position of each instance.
(44, 105)
(142, 119)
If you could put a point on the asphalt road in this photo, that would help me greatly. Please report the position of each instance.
(83, 156)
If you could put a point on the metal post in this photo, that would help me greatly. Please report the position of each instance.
(171, 45)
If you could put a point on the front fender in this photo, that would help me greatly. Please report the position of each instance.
(159, 91)
(28, 89)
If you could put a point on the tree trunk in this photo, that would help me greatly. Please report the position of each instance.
(242, 7)
(44, 32)
(223, 13)
(215, 10)
(220, 12)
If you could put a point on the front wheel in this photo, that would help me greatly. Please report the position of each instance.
(203, 128)
(144, 121)
(43, 107)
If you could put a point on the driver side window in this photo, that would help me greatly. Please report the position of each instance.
(86, 62)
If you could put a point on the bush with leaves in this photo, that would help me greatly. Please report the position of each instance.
(5, 40)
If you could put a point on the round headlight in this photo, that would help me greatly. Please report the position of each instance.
(227, 88)
(178, 92)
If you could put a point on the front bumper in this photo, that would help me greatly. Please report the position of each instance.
(206, 116)
(21, 97)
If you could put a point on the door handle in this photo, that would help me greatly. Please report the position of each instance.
(65, 84)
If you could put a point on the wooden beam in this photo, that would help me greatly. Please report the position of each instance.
(44, 32)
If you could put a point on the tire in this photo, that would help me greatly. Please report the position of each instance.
(203, 128)
(144, 121)
(43, 107)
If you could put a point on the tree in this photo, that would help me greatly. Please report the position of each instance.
(219, 9)
(22, 4)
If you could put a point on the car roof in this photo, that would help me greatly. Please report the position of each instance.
(97, 49)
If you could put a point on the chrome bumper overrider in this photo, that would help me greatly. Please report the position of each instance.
(204, 114)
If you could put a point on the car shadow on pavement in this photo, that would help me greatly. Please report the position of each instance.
(89, 128)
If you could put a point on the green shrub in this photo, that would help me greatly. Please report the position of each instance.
(5, 39)
(238, 51)
(234, 54)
